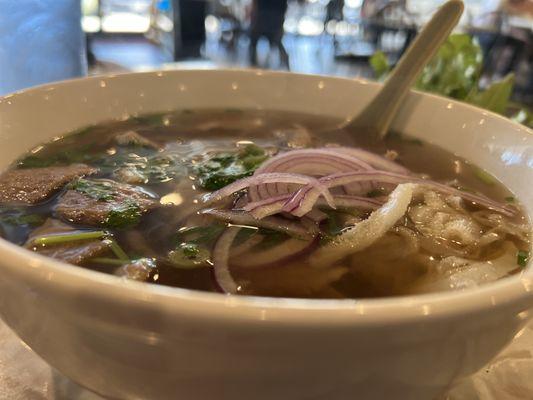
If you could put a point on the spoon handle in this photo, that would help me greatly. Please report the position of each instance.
(378, 115)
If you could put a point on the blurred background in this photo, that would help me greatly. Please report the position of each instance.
(489, 62)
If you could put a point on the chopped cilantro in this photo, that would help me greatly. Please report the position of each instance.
(124, 216)
(98, 190)
(189, 255)
(224, 168)
(510, 199)
(522, 257)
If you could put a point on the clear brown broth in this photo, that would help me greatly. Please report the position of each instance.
(190, 134)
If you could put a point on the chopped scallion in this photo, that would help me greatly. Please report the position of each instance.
(117, 250)
(109, 261)
(484, 177)
(68, 237)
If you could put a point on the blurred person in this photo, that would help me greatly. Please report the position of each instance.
(267, 21)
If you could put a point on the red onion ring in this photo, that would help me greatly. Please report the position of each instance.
(222, 274)
(275, 256)
(268, 178)
(304, 199)
(375, 160)
(312, 162)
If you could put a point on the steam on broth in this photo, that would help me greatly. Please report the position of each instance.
(257, 203)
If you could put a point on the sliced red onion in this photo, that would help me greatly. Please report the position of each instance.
(275, 205)
(269, 206)
(277, 255)
(268, 178)
(375, 160)
(222, 274)
(305, 198)
(391, 177)
(351, 202)
(274, 223)
(312, 162)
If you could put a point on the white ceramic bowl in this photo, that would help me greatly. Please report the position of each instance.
(129, 340)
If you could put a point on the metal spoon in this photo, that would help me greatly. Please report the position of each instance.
(376, 118)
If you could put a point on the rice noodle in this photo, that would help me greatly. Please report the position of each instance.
(366, 232)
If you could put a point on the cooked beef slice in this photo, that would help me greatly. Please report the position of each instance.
(75, 252)
(138, 270)
(33, 185)
(103, 202)
(132, 138)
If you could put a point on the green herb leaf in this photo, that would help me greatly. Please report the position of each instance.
(380, 65)
(107, 261)
(455, 70)
(189, 255)
(484, 176)
(522, 257)
(510, 199)
(224, 168)
(496, 97)
(98, 190)
(124, 216)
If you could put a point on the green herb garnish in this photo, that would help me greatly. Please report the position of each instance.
(68, 237)
(510, 199)
(455, 72)
(98, 190)
(117, 250)
(189, 255)
(522, 257)
(224, 168)
(124, 215)
(108, 261)
(484, 176)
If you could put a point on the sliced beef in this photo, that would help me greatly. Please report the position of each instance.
(138, 270)
(103, 202)
(75, 252)
(132, 138)
(33, 185)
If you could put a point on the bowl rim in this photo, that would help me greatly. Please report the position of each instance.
(516, 290)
